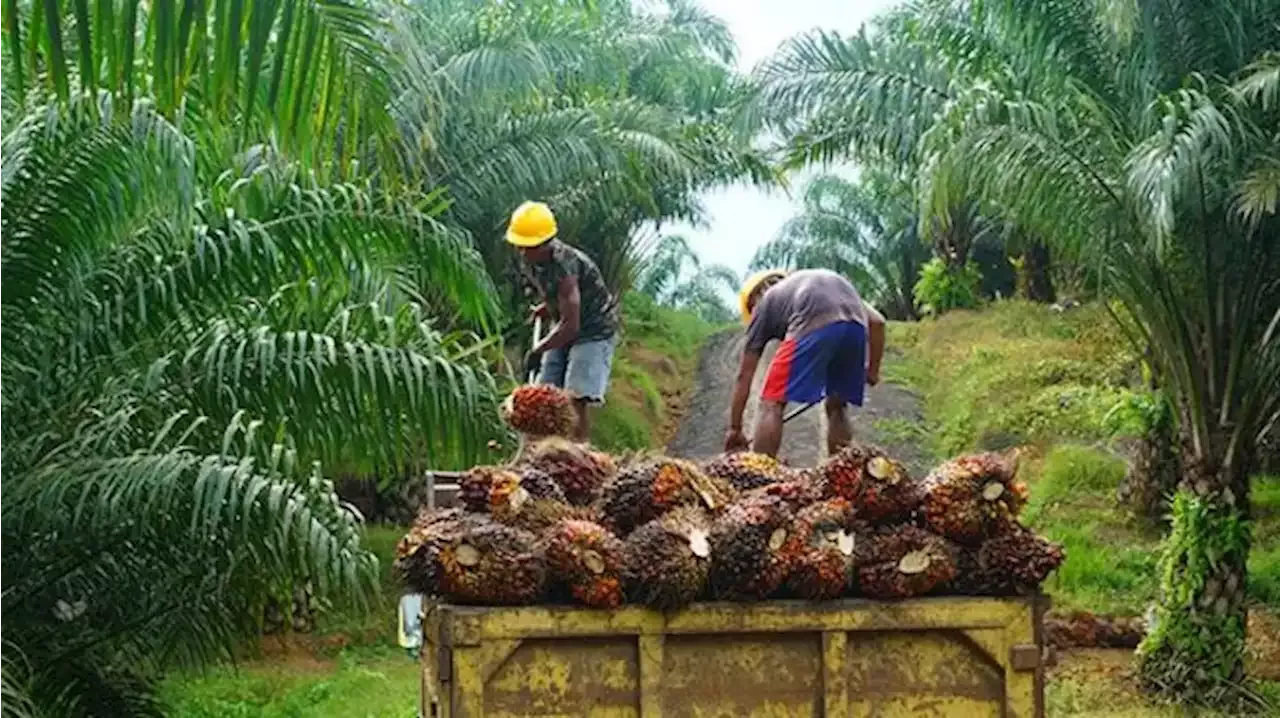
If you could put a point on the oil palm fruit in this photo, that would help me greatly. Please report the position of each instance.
(666, 561)
(753, 548)
(973, 578)
(539, 410)
(580, 472)
(829, 535)
(795, 493)
(646, 490)
(747, 470)
(878, 486)
(494, 489)
(971, 498)
(585, 558)
(904, 561)
(538, 515)
(417, 562)
(490, 563)
(1021, 557)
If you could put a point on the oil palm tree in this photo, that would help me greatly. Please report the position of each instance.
(178, 361)
(673, 276)
(1140, 136)
(864, 229)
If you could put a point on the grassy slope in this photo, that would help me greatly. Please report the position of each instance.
(1020, 374)
(653, 371)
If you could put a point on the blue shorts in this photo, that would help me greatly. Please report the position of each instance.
(582, 368)
(826, 362)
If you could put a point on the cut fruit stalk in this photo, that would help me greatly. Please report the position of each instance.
(699, 544)
(914, 562)
(468, 555)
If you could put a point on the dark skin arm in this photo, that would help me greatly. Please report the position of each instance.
(569, 302)
(735, 439)
(875, 341)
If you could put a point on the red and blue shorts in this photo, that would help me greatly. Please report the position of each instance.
(830, 361)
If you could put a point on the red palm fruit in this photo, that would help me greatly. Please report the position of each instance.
(971, 498)
(665, 562)
(1021, 557)
(879, 487)
(747, 470)
(829, 534)
(540, 410)
(796, 493)
(904, 561)
(587, 559)
(417, 561)
(753, 548)
(490, 563)
(973, 578)
(580, 472)
(646, 490)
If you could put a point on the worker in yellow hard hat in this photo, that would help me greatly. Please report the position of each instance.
(832, 346)
(577, 354)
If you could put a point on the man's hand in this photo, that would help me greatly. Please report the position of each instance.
(735, 440)
(873, 377)
(539, 311)
(532, 363)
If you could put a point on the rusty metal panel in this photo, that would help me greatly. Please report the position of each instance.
(937, 657)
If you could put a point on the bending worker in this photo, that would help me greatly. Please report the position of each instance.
(577, 354)
(825, 329)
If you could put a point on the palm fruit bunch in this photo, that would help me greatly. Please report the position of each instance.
(973, 578)
(585, 558)
(666, 561)
(497, 489)
(753, 548)
(580, 471)
(904, 561)
(646, 490)
(879, 487)
(747, 470)
(490, 563)
(538, 515)
(1082, 629)
(795, 493)
(971, 498)
(1021, 557)
(539, 410)
(418, 551)
(829, 534)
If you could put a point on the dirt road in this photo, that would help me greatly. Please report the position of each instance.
(890, 417)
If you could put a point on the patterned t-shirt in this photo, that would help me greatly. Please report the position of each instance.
(598, 317)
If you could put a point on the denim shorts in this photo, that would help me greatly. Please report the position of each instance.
(826, 362)
(582, 368)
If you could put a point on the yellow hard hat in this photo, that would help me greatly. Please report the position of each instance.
(749, 287)
(531, 224)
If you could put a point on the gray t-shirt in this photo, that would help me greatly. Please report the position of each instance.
(802, 302)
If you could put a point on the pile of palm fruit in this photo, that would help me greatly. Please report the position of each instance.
(563, 523)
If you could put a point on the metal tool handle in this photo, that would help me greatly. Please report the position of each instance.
(798, 411)
(537, 337)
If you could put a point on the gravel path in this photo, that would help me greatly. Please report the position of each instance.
(701, 433)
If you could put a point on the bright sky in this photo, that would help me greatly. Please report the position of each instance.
(744, 218)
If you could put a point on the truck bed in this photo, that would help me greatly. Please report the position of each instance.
(930, 657)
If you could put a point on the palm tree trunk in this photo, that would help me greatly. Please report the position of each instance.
(1152, 475)
(1035, 262)
(1194, 652)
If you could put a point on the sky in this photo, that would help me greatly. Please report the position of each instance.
(743, 218)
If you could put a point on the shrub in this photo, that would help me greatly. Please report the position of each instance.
(941, 288)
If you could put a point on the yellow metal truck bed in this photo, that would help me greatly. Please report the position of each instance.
(945, 656)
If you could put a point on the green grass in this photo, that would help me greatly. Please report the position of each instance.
(379, 682)
(655, 365)
(1019, 374)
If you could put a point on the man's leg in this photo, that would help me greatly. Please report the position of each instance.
(839, 430)
(582, 430)
(768, 438)
(846, 382)
(587, 378)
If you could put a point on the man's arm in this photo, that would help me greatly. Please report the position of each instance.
(735, 438)
(875, 340)
(569, 302)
